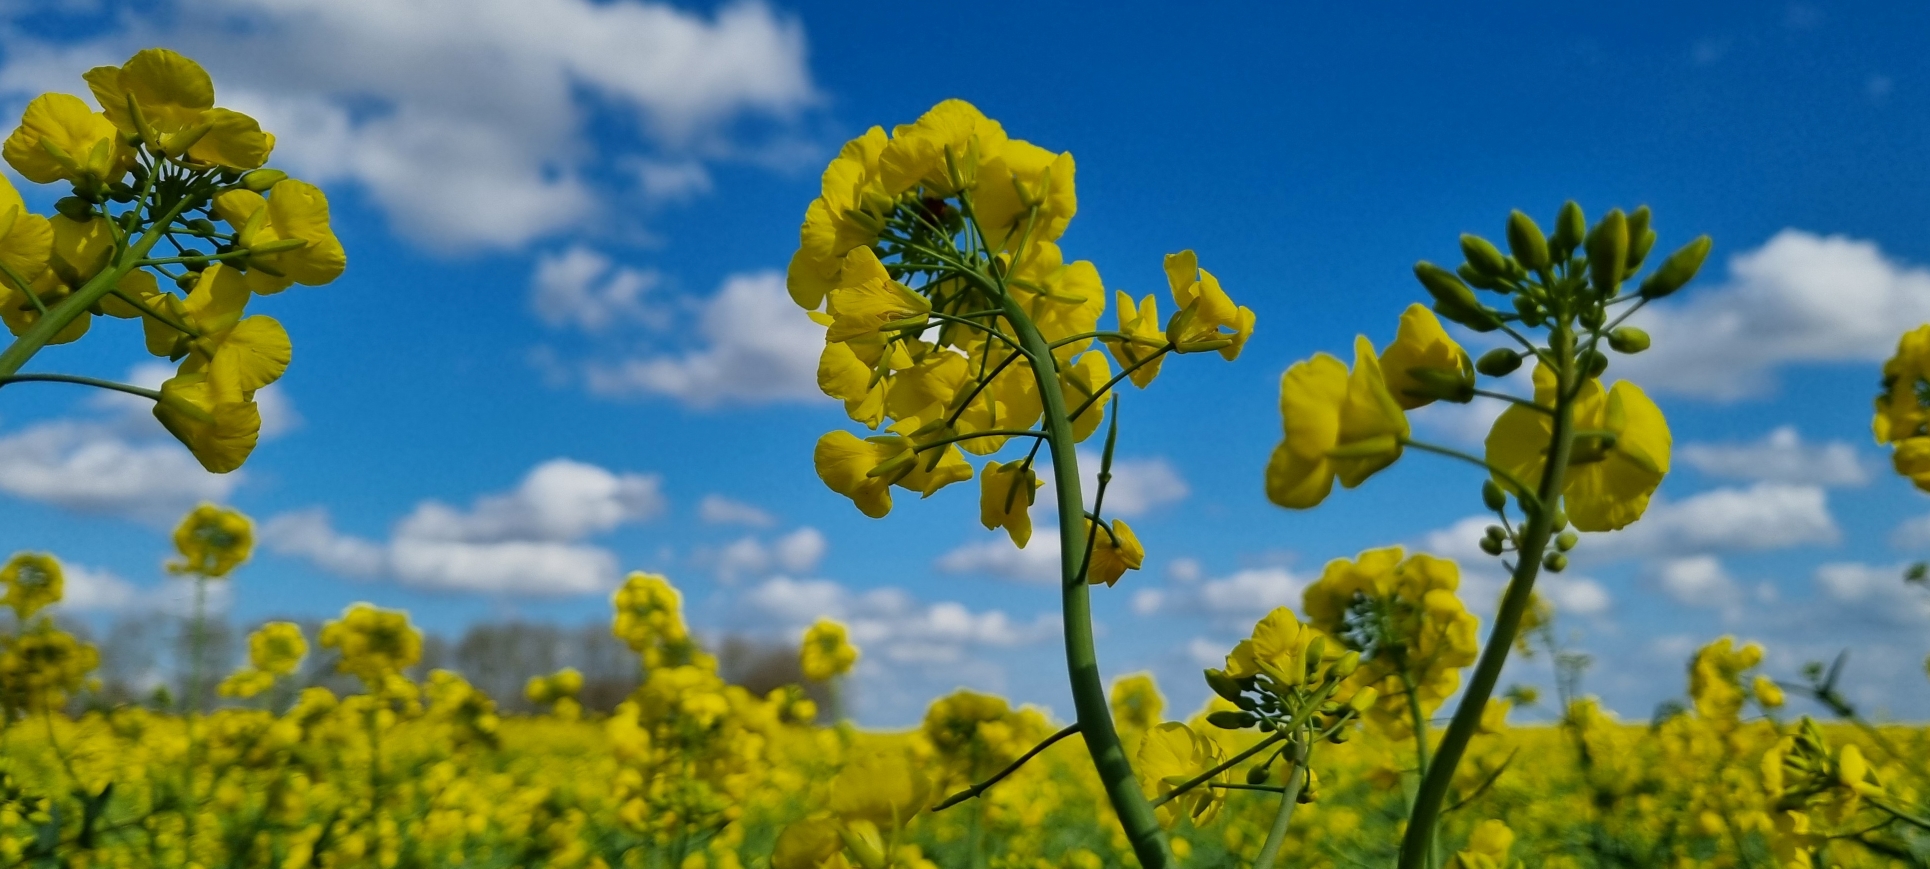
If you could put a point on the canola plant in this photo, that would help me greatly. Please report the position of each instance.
(967, 346)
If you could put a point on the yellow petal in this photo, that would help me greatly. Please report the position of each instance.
(844, 462)
(1006, 493)
(1420, 343)
(1311, 392)
(1371, 423)
(252, 355)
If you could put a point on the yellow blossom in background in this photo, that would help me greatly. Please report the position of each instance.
(1487, 848)
(1169, 756)
(40, 667)
(826, 652)
(1903, 407)
(275, 649)
(212, 541)
(884, 788)
(374, 644)
(32, 581)
(1715, 677)
(1136, 702)
(1403, 614)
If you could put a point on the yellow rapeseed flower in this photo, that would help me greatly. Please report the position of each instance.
(1422, 347)
(32, 582)
(374, 644)
(60, 138)
(212, 541)
(167, 99)
(292, 210)
(1339, 425)
(1620, 455)
(1006, 493)
(1169, 756)
(1113, 552)
(826, 651)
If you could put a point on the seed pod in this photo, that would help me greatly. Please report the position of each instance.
(1527, 243)
(1570, 226)
(1482, 255)
(1566, 540)
(1228, 719)
(1628, 339)
(1491, 495)
(1555, 562)
(1607, 250)
(1593, 363)
(1677, 270)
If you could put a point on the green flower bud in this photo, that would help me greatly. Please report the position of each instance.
(1492, 497)
(1491, 546)
(1526, 242)
(1499, 362)
(1566, 540)
(1483, 256)
(1593, 363)
(1453, 299)
(1554, 561)
(1592, 317)
(186, 281)
(1227, 719)
(1257, 775)
(1561, 519)
(260, 180)
(1346, 666)
(1529, 310)
(74, 208)
(1478, 280)
(1628, 339)
(1445, 384)
(1570, 226)
(1677, 270)
(1638, 228)
(1496, 533)
(1316, 648)
(1638, 251)
(1607, 250)
(1224, 685)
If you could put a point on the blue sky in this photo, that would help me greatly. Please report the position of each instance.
(566, 221)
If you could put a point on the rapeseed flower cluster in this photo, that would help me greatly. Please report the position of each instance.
(160, 162)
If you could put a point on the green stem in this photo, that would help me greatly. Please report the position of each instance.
(989, 433)
(76, 305)
(1419, 724)
(982, 787)
(1296, 778)
(1899, 814)
(1512, 399)
(1082, 660)
(84, 381)
(1520, 488)
(1223, 766)
(1467, 716)
(1100, 393)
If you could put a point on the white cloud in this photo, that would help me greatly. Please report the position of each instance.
(94, 589)
(1876, 593)
(1800, 298)
(1038, 562)
(1698, 581)
(1912, 533)
(1574, 595)
(796, 552)
(1762, 517)
(891, 624)
(1781, 457)
(526, 541)
(93, 468)
(1239, 597)
(585, 289)
(673, 181)
(757, 346)
(716, 509)
(467, 120)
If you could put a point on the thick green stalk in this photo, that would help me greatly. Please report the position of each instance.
(61, 315)
(1296, 777)
(1082, 661)
(1428, 800)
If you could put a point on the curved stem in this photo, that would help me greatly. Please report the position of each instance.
(991, 433)
(1512, 399)
(1428, 800)
(982, 787)
(1521, 488)
(1082, 660)
(149, 394)
(1296, 779)
(1100, 393)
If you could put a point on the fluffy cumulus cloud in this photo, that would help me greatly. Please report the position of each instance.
(1875, 595)
(1698, 581)
(586, 289)
(891, 624)
(526, 541)
(1239, 597)
(468, 120)
(1761, 517)
(1037, 563)
(1799, 298)
(717, 509)
(1782, 456)
(753, 345)
(794, 553)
